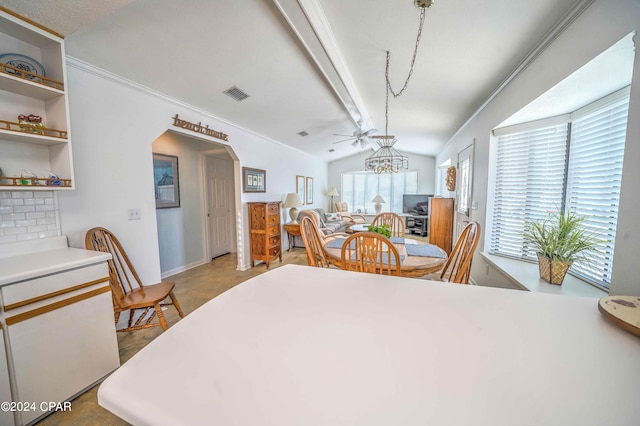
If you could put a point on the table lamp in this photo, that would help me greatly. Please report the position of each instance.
(292, 202)
(332, 192)
(378, 200)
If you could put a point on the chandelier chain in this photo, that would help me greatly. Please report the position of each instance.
(413, 59)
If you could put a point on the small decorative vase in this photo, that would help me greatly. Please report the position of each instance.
(552, 271)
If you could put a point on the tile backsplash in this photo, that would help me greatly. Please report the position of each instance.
(28, 215)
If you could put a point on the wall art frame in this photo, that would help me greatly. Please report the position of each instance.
(309, 190)
(254, 180)
(166, 181)
(300, 188)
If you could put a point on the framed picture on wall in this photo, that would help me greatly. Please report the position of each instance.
(166, 181)
(309, 189)
(254, 180)
(300, 185)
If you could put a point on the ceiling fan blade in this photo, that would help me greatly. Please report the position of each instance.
(343, 140)
(339, 134)
(370, 131)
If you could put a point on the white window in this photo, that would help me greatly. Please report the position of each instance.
(574, 165)
(359, 188)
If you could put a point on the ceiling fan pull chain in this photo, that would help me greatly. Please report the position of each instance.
(413, 60)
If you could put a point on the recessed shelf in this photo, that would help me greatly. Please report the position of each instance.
(26, 137)
(31, 89)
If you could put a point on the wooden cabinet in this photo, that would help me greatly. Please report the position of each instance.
(441, 223)
(28, 148)
(264, 230)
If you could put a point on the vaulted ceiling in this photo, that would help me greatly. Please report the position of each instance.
(310, 65)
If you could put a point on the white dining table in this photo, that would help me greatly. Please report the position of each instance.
(311, 346)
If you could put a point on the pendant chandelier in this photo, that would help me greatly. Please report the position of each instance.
(387, 159)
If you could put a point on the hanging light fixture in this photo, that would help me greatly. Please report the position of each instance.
(387, 159)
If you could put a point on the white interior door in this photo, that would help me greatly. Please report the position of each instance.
(464, 187)
(220, 202)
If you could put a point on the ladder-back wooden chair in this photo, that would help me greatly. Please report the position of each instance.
(313, 243)
(129, 294)
(395, 222)
(370, 252)
(458, 266)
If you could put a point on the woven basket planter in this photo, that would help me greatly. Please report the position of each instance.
(552, 271)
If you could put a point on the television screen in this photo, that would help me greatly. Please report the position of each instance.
(417, 204)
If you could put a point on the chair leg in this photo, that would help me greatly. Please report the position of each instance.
(174, 300)
(161, 318)
(130, 322)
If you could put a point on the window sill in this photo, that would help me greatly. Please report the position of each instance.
(527, 277)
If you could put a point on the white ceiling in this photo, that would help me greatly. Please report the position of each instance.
(312, 65)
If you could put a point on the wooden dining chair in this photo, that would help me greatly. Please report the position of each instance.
(313, 243)
(458, 266)
(395, 222)
(147, 300)
(370, 252)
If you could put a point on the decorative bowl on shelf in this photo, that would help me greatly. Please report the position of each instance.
(22, 62)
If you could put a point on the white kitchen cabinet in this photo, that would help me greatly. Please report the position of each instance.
(58, 316)
(6, 417)
(29, 148)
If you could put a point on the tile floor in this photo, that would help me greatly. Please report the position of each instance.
(193, 288)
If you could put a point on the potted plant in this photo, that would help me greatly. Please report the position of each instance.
(559, 240)
(384, 230)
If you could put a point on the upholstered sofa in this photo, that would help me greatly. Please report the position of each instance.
(328, 223)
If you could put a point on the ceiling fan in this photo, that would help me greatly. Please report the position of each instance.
(360, 137)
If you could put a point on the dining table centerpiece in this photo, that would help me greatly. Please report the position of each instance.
(384, 230)
(559, 240)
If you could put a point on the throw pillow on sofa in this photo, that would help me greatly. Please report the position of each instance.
(333, 217)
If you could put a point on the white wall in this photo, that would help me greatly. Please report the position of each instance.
(424, 164)
(599, 27)
(113, 126)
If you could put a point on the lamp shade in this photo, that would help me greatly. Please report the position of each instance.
(378, 199)
(292, 200)
(332, 192)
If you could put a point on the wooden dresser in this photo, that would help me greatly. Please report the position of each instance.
(441, 223)
(264, 231)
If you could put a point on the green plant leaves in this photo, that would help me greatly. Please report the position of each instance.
(561, 237)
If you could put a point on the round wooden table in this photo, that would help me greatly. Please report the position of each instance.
(412, 266)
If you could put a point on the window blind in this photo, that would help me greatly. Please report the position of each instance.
(359, 188)
(594, 178)
(530, 171)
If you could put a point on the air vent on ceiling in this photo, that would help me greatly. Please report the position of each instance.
(332, 150)
(303, 133)
(236, 94)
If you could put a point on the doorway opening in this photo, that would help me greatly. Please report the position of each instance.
(205, 224)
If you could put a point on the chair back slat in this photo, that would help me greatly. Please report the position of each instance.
(395, 222)
(370, 252)
(458, 266)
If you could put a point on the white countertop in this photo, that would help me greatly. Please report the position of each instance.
(24, 263)
(311, 346)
